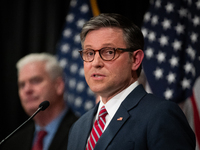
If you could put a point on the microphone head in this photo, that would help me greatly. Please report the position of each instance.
(44, 105)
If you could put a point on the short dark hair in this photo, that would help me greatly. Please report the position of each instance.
(133, 36)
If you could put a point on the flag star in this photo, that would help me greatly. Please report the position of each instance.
(67, 33)
(149, 52)
(183, 12)
(166, 24)
(78, 102)
(194, 37)
(191, 52)
(70, 18)
(63, 62)
(158, 73)
(176, 45)
(65, 48)
(189, 2)
(89, 92)
(88, 105)
(158, 4)
(154, 20)
(171, 77)
(185, 83)
(77, 38)
(180, 28)
(70, 97)
(196, 21)
(174, 61)
(163, 40)
(152, 36)
(80, 23)
(73, 68)
(188, 67)
(80, 86)
(73, 3)
(84, 8)
(144, 32)
(161, 57)
(198, 4)
(81, 72)
(75, 54)
(72, 83)
(147, 16)
(169, 7)
(168, 94)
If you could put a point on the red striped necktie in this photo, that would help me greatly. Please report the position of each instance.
(97, 129)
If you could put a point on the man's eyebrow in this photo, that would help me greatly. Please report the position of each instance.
(104, 45)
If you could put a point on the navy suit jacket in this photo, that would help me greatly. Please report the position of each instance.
(23, 138)
(148, 123)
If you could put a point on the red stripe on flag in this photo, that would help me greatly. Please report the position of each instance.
(196, 119)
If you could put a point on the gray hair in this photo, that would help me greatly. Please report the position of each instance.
(132, 35)
(51, 64)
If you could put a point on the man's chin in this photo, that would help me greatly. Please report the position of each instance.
(31, 110)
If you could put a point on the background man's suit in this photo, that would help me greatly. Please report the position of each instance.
(141, 128)
(23, 139)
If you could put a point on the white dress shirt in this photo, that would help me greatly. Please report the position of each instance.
(113, 104)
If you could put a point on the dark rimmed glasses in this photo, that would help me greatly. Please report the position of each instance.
(106, 53)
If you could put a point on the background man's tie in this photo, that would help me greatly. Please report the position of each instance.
(97, 129)
(39, 141)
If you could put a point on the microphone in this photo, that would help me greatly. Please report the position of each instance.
(42, 107)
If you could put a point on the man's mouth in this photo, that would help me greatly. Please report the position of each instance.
(97, 75)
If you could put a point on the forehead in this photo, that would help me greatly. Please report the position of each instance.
(106, 36)
(32, 69)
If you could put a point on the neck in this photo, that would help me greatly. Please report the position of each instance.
(106, 97)
(43, 118)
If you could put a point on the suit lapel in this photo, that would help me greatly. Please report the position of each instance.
(121, 116)
(112, 129)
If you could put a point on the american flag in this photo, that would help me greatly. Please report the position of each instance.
(77, 93)
(172, 54)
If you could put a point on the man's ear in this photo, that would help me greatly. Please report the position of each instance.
(60, 85)
(137, 57)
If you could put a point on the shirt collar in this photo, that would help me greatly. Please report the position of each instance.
(113, 104)
(54, 123)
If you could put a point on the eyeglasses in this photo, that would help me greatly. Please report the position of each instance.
(106, 53)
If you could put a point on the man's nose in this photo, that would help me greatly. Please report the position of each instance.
(98, 61)
(28, 88)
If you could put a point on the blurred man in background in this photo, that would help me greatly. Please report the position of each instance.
(40, 78)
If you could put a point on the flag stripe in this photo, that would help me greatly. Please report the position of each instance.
(196, 119)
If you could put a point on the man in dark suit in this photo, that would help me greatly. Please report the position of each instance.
(127, 117)
(40, 78)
